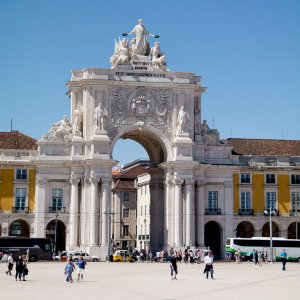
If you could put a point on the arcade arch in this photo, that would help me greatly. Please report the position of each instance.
(266, 230)
(245, 230)
(19, 228)
(212, 237)
(56, 230)
(292, 230)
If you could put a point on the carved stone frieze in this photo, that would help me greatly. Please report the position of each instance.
(139, 107)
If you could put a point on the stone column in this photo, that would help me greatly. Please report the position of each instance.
(228, 230)
(200, 212)
(177, 213)
(40, 207)
(168, 212)
(73, 228)
(94, 212)
(190, 214)
(106, 209)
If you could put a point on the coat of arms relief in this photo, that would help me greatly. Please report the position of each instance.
(139, 107)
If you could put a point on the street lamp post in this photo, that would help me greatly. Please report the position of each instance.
(55, 234)
(109, 213)
(270, 213)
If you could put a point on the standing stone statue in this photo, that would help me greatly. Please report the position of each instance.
(141, 38)
(182, 120)
(78, 116)
(100, 116)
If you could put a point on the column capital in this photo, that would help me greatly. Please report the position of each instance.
(105, 181)
(189, 182)
(41, 181)
(94, 180)
(227, 184)
(74, 181)
(201, 183)
(177, 181)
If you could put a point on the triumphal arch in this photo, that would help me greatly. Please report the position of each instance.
(138, 98)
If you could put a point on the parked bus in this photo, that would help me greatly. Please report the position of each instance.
(246, 245)
(34, 248)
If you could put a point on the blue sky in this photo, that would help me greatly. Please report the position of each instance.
(247, 53)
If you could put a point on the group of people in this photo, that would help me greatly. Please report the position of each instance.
(208, 261)
(20, 264)
(70, 267)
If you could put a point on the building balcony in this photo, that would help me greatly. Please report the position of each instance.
(295, 212)
(213, 211)
(53, 209)
(276, 212)
(246, 212)
(20, 210)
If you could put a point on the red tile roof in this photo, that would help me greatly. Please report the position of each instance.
(17, 140)
(265, 147)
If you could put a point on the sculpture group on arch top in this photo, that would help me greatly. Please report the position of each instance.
(130, 107)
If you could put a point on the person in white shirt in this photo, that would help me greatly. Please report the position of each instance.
(208, 260)
(10, 264)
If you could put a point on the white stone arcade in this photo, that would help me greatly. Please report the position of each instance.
(157, 108)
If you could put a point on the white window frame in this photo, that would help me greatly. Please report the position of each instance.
(21, 169)
(214, 201)
(25, 198)
(267, 201)
(57, 207)
(127, 215)
(291, 179)
(242, 176)
(126, 226)
(271, 183)
(250, 199)
(295, 201)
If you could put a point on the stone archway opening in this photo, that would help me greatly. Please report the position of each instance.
(245, 230)
(293, 233)
(266, 230)
(147, 229)
(19, 228)
(56, 230)
(212, 238)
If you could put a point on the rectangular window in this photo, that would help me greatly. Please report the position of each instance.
(125, 196)
(125, 212)
(21, 174)
(212, 200)
(271, 200)
(295, 179)
(57, 199)
(270, 178)
(245, 200)
(21, 194)
(125, 229)
(245, 177)
(295, 202)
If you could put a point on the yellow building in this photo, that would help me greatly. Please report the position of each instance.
(17, 183)
(267, 181)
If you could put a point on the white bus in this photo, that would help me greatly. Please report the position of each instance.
(246, 245)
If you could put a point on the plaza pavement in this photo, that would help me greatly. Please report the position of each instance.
(132, 281)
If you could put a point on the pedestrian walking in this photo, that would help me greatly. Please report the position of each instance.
(10, 264)
(208, 260)
(80, 267)
(69, 268)
(283, 256)
(260, 258)
(19, 268)
(173, 267)
(25, 267)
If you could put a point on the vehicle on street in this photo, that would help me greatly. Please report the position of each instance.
(85, 256)
(124, 255)
(63, 255)
(34, 248)
(262, 244)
